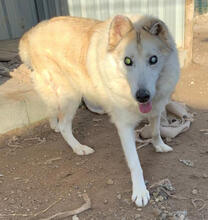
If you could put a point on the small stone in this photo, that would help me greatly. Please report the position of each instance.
(119, 196)
(137, 216)
(110, 182)
(75, 217)
(1, 175)
(163, 207)
(159, 199)
(188, 163)
(105, 201)
(205, 175)
(139, 210)
(194, 191)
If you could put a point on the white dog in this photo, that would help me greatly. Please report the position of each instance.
(128, 66)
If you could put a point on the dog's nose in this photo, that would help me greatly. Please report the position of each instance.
(142, 95)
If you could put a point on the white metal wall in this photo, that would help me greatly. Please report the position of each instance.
(172, 12)
(16, 16)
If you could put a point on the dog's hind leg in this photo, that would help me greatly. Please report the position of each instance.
(157, 141)
(65, 127)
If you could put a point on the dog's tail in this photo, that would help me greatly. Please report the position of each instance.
(24, 50)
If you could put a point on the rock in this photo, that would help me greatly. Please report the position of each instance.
(105, 201)
(179, 215)
(110, 182)
(159, 199)
(188, 163)
(194, 191)
(118, 196)
(75, 217)
(137, 216)
(17, 178)
(205, 175)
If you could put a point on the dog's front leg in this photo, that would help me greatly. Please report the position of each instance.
(140, 194)
(157, 141)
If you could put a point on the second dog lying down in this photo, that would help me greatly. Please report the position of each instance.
(128, 66)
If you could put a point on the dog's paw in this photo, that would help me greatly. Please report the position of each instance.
(83, 150)
(140, 196)
(163, 148)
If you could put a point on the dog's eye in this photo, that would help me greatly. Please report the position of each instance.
(153, 60)
(128, 61)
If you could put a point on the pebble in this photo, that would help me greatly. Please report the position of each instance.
(138, 209)
(110, 182)
(137, 216)
(188, 163)
(119, 196)
(159, 199)
(75, 217)
(205, 175)
(105, 201)
(194, 191)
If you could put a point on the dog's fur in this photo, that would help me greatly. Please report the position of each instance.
(72, 58)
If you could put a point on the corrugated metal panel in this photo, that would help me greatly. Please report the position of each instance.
(27, 12)
(171, 12)
(50, 8)
(16, 17)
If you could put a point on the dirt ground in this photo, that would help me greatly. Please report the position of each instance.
(40, 176)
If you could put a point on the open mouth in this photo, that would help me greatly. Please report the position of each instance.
(145, 107)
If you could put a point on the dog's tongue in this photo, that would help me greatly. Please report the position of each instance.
(146, 107)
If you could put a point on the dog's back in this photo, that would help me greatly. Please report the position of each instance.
(56, 52)
(59, 36)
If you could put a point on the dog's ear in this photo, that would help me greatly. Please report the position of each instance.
(158, 28)
(120, 26)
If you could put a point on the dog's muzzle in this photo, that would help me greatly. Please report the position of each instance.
(144, 102)
(142, 95)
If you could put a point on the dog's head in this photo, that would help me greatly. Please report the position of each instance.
(140, 55)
